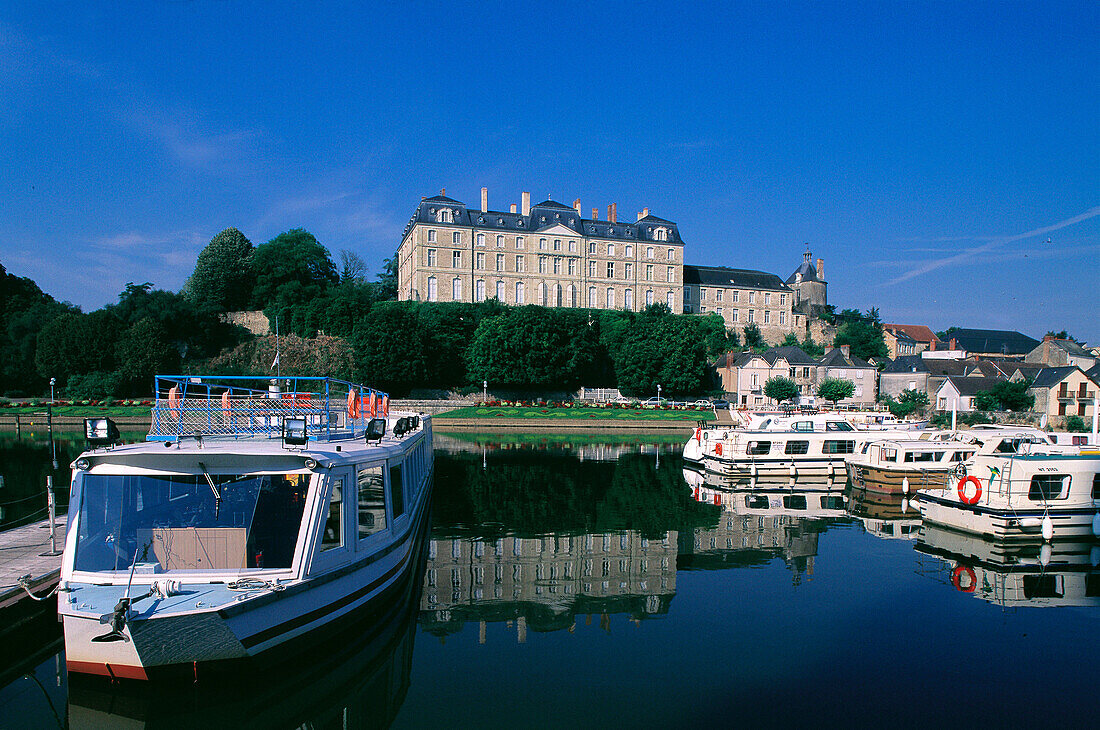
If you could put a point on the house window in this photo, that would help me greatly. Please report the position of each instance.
(630, 299)
(479, 260)
(542, 244)
(479, 290)
(500, 262)
(592, 297)
(481, 239)
(671, 254)
(736, 296)
(519, 241)
(805, 372)
(755, 380)
(767, 298)
(610, 269)
(782, 299)
(519, 292)
(718, 310)
(752, 297)
(500, 290)
(610, 298)
(431, 257)
(592, 247)
(456, 237)
(702, 295)
(628, 270)
(670, 274)
(752, 316)
(431, 236)
(782, 317)
(456, 289)
(733, 315)
(629, 251)
(767, 316)
(432, 289)
(519, 264)
(444, 216)
(500, 241)
(718, 295)
(456, 259)
(649, 252)
(649, 272)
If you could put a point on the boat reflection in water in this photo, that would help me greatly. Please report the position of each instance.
(356, 680)
(887, 516)
(1057, 573)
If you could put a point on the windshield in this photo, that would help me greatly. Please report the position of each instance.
(230, 522)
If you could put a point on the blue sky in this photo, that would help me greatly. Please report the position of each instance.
(926, 150)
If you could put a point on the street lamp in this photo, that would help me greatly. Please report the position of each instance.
(49, 421)
(658, 394)
(485, 391)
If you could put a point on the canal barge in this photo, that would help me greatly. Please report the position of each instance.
(1042, 492)
(256, 518)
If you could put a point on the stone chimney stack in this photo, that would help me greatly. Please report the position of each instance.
(846, 350)
(1048, 338)
(577, 206)
(612, 213)
(484, 200)
(952, 345)
(644, 213)
(595, 214)
(512, 208)
(821, 269)
(525, 203)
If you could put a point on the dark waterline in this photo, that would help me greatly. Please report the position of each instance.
(573, 581)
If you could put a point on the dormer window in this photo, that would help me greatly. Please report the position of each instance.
(444, 216)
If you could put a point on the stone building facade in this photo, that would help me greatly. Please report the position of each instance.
(743, 297)
(546, 254)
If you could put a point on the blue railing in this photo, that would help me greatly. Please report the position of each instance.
(243, 406)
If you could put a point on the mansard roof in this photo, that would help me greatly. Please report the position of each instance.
(835, 358)
(1005, 342)
(968, 386)
(1049, 377)
(724, 276)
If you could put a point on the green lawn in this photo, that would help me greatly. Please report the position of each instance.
(78, 411)
(583, 412)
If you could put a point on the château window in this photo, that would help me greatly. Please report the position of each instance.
(542, 294)
(456, 259)
(519, 241)
(572, 247)
(542, 264)
(571, 296)
(432, 289)
(718, 295)
(782, 317)
(629, 252)
(542, 244)
(431, 236)
(629, 299)
(610, 298)
(481, 239)
(557, 244)
(610, 249)
(628, 270)
(557, 265)
(592, 269)
(431, 257)
(456, 289)
(443, 216)
(592, 297)
(519, 264)
(649, 252)
(456, 237)
(519, 292)
(592, 247)
(669, 299)
(670, 275)
(572, 267)
(736, 296)
(500, 262)
(649, 297)
(500, 241)
(752, 297)
(782, 300)
(500, 290)
(479, 290)
(671, 254)
(767, 316)
(752, 316)
(733, 315)
(767, 298)
(480, 260)
(610, 269)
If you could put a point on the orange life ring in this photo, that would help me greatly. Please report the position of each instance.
(956, 578)
(698, 435)
(718, 448)
(174, 401)
(353, 404)
(385, 405)
(977, 490)
(373, 405)
(225, 403)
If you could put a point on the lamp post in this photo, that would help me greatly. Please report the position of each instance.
(49, 421)
(485, 391)
(658, 394)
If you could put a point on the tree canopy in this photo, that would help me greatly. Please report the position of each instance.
(835, 389)
(223, 276)
(293, 267)
(1008, 395)
(780, 389)
(862, 332)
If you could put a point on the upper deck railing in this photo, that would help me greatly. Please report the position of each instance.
(230, 406)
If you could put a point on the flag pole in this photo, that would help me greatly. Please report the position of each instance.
(278, 364)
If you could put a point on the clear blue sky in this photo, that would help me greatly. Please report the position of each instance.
(926, 150)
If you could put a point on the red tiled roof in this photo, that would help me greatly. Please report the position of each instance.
(918, 332)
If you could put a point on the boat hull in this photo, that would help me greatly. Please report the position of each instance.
(1022, 524)
(892, 481)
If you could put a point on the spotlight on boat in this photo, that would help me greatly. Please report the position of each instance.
(101, 432)
(294, 432)
(311, 464)
(82, 464)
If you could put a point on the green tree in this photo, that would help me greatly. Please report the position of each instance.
(24, 310)
(1076, 424)
(780, 389)
(388, 346)
(144, 350)
(291, 268)
(790, 340)
(835, 389)
(864, 336)
(812, 349)
(387, 280)
(907, 402)
(670, 350)
(76, 344)
(222, 278)
(753, 339)
(1007, 395)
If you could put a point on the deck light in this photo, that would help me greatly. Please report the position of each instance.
(100, 432)
(294, 432)
(82, 464)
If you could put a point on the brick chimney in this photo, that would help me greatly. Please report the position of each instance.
(525, 203)
(595, 214)
(484, 200)
(821, 269)
(612, 213)
(577, 206)
(951, 345)
(512, 208)
(846, 350)
(1048, 338)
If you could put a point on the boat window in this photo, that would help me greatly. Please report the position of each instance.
(889, 454)
(1048, 486)
(838, 447)
(797, 447)
(372, 500)
(1043, 586)
(915, 456)
(333, 536)
(758, 448)
(795, 501)
(961, 455)
(756, 501)
(832, 502)
(803, 426)
(838, 426)
(397, 493)
(179, 522)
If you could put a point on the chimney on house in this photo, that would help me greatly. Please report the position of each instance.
(846, 350)
(525, 203)
(485, 200)
(595, 214)
(952, 344)
(932, 344)
(612, 213)
(1048, 338)
(443, 191)
(577, 206)
(821, 269)
(512, 208)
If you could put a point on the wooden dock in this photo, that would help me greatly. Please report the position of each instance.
(25, 551)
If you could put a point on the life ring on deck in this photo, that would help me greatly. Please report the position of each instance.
(977, 490)
(385, 405)
(373, 405)
(718, 448)
(174, 401)
(698, 435)
(225, 404)
(956, 579)
(353, 404)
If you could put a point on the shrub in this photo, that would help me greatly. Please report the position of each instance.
(1076, 424)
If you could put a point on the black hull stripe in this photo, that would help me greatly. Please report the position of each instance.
(1054, 511)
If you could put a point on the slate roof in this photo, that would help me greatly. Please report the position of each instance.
(1049, 377)
(916, 332)
(809, 273)
(555, 213)
(973, 385)
(905, 364)
(834, 358)
(1005, 342)
(1011, 367)
(900, 336)
(1094, 373)
(724, 276)
(790, 353)
(1073, 348)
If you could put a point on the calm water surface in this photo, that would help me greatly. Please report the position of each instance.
(578, 583)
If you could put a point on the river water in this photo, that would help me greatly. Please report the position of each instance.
(593, 582)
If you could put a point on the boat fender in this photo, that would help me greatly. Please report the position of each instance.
(905, 485)
(1096, 524)
(977, 490)
(957, 580)
(1044, 554)
(1047, 528)
(718, 448)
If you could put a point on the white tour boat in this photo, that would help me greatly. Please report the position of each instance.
(812, 445)
(1042, 491)
(253, 521)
